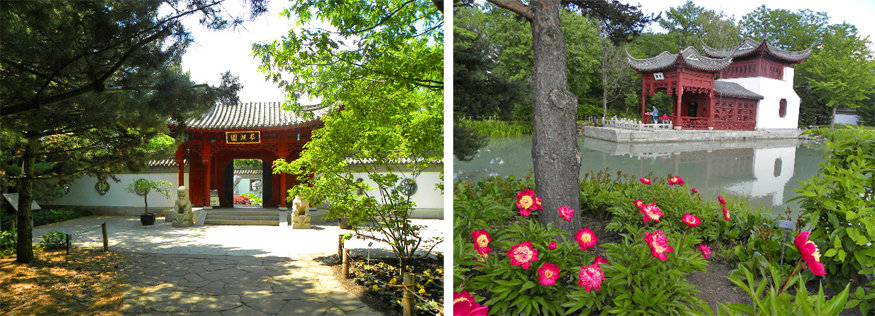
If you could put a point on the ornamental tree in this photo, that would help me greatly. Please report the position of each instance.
(145, 186)
(87, 88)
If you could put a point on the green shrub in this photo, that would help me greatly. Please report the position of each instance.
(838, 204)
(53, 240)
(254, 198)
(841, 132)
(7, 243)
(778, 302)
(44, 217)
(496, 128)
(864, 297)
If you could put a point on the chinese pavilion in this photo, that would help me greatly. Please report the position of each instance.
(242, 131)
(746, 87)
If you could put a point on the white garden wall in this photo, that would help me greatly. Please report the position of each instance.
(773, 90)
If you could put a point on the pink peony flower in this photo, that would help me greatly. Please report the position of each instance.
(720, 198)
(523, 254)
(658, 244)
(694, 190)
(645, 181)
(676, 180)
(464, 305)
(599, 260)
(481, 241)
(585, 238)
(706, 251)
(809, 252)
(566, 212)
(725, 214)
(639, 203)
(552, 245)
(691, 220)
(527, 202)
(651, 212)
(548, 274)
(591, 277)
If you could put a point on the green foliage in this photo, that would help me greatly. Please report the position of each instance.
(53, 240)
(636, 282)
(838, 203)
(145, 186)
(247, 162)
(7, 243)
(841, 133)
(864, 297)
(695, 24)
(496, 128)
(775, 302)
(466, 143)
(254, 198)
(44, 217)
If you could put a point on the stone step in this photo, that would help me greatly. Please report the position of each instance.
(230, 216)
(242, 213)
(274, 222)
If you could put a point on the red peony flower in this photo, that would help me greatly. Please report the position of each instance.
(694, 190)
(676, 180)
(725, 214)
(658, 244)
(481, 241)
(552, 245)
(523, 254)
(639, 203)
(464, 305)
(706, 251)
(585, 238)
(645, 181)
(548, 274)
(691, 220)
(651, 212)
(566, 212)
(720, 198)
(599, 260)
(527, 202)
(591, 277)
(809, 253)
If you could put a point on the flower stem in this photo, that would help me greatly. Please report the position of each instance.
(791, 276)
(685, 237)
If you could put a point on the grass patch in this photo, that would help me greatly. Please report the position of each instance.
(840, 132)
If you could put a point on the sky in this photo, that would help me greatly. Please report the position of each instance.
(217, 51)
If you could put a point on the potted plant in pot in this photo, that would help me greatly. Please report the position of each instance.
(143, 187)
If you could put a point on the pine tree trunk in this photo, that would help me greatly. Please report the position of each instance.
(555, 152)
(24, 246)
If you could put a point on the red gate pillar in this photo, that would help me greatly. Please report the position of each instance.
(180, 162)
(679, 94)
(207, 156)
(283, 153)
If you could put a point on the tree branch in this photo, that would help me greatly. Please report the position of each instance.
(514, 6)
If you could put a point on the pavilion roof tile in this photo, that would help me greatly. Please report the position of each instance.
(252, 115)
(728, 88)
(689, 56)
(750, 46)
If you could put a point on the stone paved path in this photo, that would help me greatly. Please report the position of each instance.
(228, 270)
(235, 285)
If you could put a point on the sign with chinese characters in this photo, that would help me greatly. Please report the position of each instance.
(658, 76)
(249, 137)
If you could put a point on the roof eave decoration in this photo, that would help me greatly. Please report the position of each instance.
(689, 57)
(749, 46)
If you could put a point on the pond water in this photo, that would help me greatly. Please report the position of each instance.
(764, 171)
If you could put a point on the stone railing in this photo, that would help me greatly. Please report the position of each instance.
(635, 124)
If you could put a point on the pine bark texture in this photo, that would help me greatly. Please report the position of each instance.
(24, 230)
(555, 152)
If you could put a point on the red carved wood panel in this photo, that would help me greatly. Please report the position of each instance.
(758, 66)
(735, 114)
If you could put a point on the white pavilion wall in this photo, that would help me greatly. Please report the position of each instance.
(773, 90)
(118, 200)
(429, 200)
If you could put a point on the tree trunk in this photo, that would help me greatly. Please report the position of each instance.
(146, 203)
(555, 152)
(24, 247)
(832, 123)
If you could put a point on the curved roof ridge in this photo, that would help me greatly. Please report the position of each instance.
(688, 56)
(749, 46)
(251, 115)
